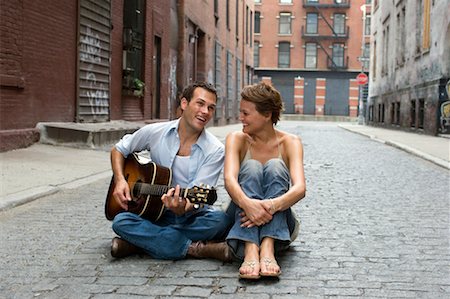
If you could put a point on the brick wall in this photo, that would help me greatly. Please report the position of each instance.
(38, 68)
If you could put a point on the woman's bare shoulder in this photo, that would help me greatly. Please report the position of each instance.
(289, 138)
(236, 135)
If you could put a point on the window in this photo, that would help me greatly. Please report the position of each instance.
(216, 10)
(218, 74)
(285, 23)
(133, 46)
(367, 25)
(257, 1)
(374, 63)
(257, 22)
(251, 28)
(381, 113)
(421, 117)
(419, 24)
(426, 25)
(384, 66)
(412, 113)
(311, 55)
(284, 53)
(256, 54)
(230, 91)
(366, 56)
(237, 19)
(227, 15)
(397, 113)
(401, 37)
(338, 55)
(339, 23)
(238, 85)
(247, 25)
(311, 23)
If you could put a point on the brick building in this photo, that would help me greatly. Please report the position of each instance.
(214, 43)
(101, 60)
(410, 65)
(310, 50)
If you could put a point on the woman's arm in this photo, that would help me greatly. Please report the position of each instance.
(294, 151)
(254, 210)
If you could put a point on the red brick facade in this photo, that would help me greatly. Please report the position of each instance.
(50, 63)
(291, 74)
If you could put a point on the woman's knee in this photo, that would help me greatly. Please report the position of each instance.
(276, 168)
(251, 167)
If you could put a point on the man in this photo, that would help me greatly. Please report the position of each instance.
(195, 157)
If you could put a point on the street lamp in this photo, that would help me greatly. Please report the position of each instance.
(361, 119)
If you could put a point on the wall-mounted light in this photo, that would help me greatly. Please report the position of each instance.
(192, 38)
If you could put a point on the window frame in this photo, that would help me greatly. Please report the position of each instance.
(286, 55)
(307, 52)
(314, 24)
(287, 17)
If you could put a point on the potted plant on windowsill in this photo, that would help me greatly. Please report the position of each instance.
(138, 88)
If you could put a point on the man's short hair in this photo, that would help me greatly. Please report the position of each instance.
(188, 92)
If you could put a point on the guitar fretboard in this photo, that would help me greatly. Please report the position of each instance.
(149, 189)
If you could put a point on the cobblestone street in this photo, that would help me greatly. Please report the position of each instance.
(374, 223)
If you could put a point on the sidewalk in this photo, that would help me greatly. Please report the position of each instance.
(39, 170)
(431, 148)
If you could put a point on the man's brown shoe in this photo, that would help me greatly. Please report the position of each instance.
(215, 250)
(121, 248)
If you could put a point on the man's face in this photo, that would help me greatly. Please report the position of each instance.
(200, 109)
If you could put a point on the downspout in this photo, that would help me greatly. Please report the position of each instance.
(181, 50)
(244, 32)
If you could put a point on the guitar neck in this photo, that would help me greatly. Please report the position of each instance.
(157, 190)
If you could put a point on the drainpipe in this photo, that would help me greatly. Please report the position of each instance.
(181, 49)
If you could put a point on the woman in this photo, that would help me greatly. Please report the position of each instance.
(264, 177)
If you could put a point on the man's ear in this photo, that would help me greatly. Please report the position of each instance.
(183, 103)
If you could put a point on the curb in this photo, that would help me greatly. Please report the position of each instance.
(419, 154)
(16, 199)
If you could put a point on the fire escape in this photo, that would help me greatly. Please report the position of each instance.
(328, 33)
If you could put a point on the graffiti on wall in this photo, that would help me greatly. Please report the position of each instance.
(96, 93)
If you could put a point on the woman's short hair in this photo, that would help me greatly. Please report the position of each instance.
(266, 99)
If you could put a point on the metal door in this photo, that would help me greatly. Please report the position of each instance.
(93, 92)
(285, 85)
(336, 99)
(309, 96)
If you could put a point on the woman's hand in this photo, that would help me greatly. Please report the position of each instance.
(256, 213)
(174, 202)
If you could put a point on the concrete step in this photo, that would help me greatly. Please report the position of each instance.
(86, 135)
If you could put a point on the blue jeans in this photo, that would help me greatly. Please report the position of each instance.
(262, 182)
(169, 237)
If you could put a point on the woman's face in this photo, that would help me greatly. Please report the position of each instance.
(252, 121)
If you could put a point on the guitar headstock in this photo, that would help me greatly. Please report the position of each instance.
(202, 194)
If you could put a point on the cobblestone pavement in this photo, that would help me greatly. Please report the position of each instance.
(375, 223)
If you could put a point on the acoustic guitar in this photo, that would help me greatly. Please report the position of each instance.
(148, 182)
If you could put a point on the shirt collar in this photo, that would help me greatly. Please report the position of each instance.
(202, 140)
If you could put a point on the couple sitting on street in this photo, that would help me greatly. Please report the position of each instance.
(263, 174)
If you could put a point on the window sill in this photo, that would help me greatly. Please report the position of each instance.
(12, 81)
